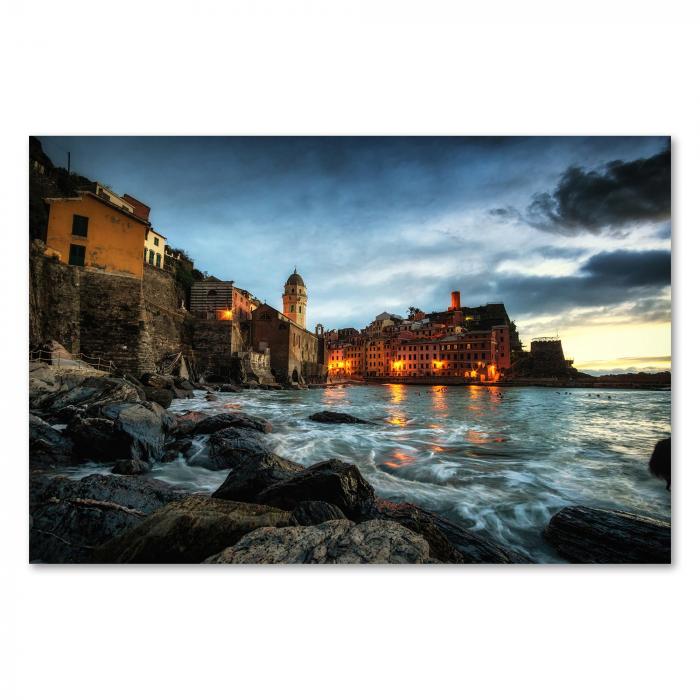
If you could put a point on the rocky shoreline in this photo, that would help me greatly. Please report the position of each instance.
(268, 509)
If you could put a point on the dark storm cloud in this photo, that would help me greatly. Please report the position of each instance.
(606, 279)
(619, 195)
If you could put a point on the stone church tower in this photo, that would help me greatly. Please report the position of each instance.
(294, 299)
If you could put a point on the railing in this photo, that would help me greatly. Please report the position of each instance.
(77, 361)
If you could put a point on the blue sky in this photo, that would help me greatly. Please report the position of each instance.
(572, 234)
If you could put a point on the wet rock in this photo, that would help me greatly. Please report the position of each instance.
(174, 449)
(598, 536)
(210, 397)
(163, 397)
(335, 418)
(316, 512)
(190, 530)
(186, 422)
(48, 447)
(69, 518)
(131, 467)
(66, 415)
(660, 462)
(82, 390)
(212, 424)
(99, 439)
(145, 424)
(253, 472)
(230, 389)
(184, 384)
(333, 542)
(158, 381)
(333, 481)
(229, 446)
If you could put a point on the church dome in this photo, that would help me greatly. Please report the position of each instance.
(295, 279)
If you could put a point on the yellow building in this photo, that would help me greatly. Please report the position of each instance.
(154, 249)
(98, 231)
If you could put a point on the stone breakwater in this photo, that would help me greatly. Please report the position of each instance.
(267, 510)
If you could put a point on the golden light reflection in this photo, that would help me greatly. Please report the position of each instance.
(400, 459)
(398, 419)
(397, 393)
(437, 395)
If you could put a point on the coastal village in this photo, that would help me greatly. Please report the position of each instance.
(107, 287)
(122, 324)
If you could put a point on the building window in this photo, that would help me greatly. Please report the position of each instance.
(292, 310)
(151, 255)
(77, 255)
(145, 236)
(158, 259)
(145, 254)
(80, 225)
(156, 240)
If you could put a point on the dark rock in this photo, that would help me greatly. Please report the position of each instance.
(69, 518)
(184, 384)
(145, 424)
(163, 397)
(48, 447)
(252, 472)
(210, 397)
(597, 536)
(227, 447)
(316, 512)
(174, 449)
(335, 418)
(76, 389)
(186, 422)
(212, 424)
(333, 542)
(183, 393)
(333, 481)
(99, 439)
(230, 389)
(158, 381)
(189, 531)
(660, 462)
(131, 467)
(66, 415)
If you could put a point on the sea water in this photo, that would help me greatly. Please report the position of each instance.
(497, 460)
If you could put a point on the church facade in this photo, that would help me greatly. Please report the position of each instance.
(297, 356)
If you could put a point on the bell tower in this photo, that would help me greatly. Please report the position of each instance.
(294, 299)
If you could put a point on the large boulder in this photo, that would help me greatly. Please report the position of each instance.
(333, 481)
(137, 430)
(598, 536)
(48, 447)
(332, 542)
(229, 446)
(335, 417)
(185, 422)
(163, 397)
(99, 439)
(69, 518)
(660, 462)
(253, 472)
(213, 424)
(82, 389)
(190, 530)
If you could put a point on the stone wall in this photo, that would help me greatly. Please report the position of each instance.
(113, 322)
(168, 322)
(54, 301)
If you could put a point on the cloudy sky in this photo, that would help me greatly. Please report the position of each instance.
(572, 234)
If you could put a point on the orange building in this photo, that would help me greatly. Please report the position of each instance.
(97, 231)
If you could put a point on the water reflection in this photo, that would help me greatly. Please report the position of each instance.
(439, 400)
(397, 393)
